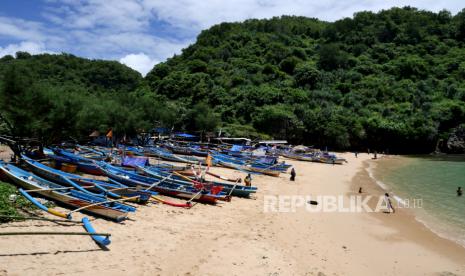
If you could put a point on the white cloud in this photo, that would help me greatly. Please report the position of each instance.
(26, 46)
(123, 15)
(144, 32)
(20, 29)
(197, 15)
(139, 62)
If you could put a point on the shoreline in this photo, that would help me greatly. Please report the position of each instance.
(406, 221)
(426, 219)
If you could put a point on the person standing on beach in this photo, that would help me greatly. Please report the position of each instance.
(248, 180)
(360, 190)
(356, 154)
(389, 203)
(293, 174)
(459, 191)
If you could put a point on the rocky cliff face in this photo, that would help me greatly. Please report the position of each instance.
(456, 141)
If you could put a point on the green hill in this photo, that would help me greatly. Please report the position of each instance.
(388, 80)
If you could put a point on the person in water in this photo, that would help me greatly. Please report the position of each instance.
(459, 191)
(248, 180)
(293, 174)
(360, 190)
(389, 203)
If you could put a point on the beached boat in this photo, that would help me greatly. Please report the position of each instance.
(163, 187)
(97, 187)
(68, 196)
(230, 189)
(83, 164)
(249, 168)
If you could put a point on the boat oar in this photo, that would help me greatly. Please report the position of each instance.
(183, 176)
(100, 203)
(223, 177)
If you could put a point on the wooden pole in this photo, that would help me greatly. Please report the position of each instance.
(39, 218)
(157, 183)
(56, 189)
(54, 233)
(190, 200)
(100, 203)
(234, 187)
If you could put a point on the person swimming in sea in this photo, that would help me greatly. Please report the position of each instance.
(459, 191)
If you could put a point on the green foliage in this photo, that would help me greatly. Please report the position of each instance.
(392, 79)
(11, 208)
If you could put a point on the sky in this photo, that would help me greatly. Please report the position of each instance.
(142, 33)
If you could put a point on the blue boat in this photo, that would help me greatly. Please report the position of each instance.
(95, 187)
(68, 196)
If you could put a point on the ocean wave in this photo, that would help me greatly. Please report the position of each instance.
(370, 170)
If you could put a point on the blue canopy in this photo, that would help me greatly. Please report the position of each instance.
(236, 148)
(185, 135)
(134, 161)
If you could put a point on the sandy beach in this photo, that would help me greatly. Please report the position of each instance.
(240, 238)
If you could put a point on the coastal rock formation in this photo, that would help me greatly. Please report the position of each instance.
(456, 141)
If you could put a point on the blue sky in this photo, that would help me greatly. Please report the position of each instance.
(141, 33)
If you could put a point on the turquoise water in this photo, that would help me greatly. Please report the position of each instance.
(430, 182)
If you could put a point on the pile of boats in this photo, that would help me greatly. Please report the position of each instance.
(127, 177)
(48, 177)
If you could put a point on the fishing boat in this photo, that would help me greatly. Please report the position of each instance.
(262, 163)
(68, 196)
(169, 156)
(97, 187)
(300, 157)
(230, 189)
(164, 187)
(83, 164)
(186, 150)
(249, 168)
(329, 158)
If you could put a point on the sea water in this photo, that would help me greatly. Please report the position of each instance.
(427, 185)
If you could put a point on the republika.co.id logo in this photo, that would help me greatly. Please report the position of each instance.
(336, 204)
